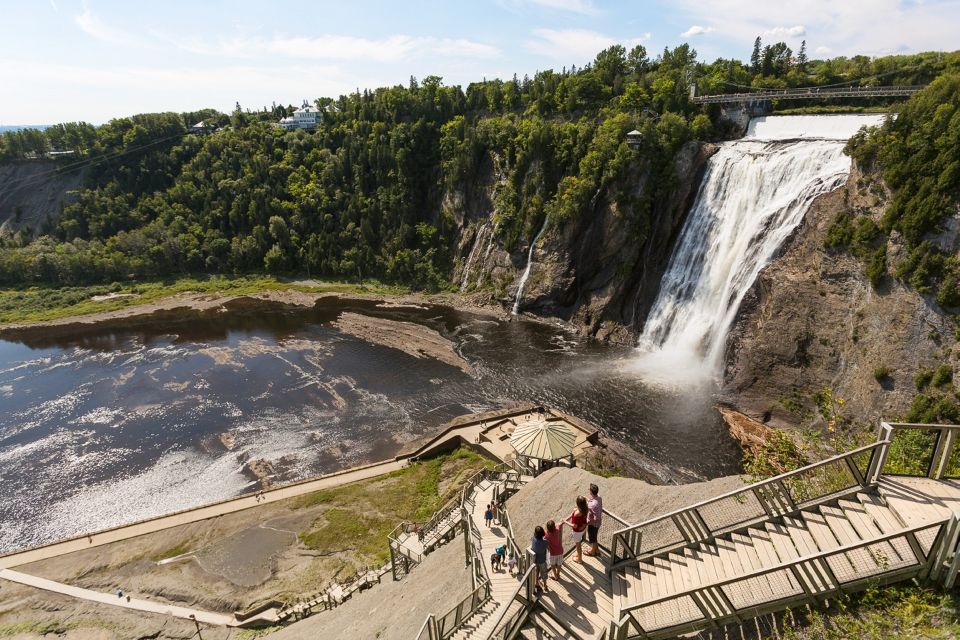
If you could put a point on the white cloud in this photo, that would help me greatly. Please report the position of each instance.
(787, 32)
(841, 26)
(94, 27)
(575, 45)
(53, 3)
(823, 49)
(583, 7)
(335, 47)
(696, 30)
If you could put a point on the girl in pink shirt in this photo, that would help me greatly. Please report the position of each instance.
(555, 547)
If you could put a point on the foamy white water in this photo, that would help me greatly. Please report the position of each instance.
(526, 272)
(754, 193)
(829, 127)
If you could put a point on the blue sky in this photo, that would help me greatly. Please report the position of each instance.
(92, 60)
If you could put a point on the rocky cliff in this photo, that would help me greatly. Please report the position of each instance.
(33, 192)
(600, 271)
(813, 322)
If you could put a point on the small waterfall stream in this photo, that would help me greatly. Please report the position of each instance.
(477, 243)
(526, 272)
(754, 193)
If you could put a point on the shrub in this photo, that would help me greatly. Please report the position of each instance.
(922, 379)
(882, 373)
(942, 376)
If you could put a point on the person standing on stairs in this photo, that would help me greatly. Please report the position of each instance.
(539, 546)
(578, 525)
(594, 516)
(555, 546)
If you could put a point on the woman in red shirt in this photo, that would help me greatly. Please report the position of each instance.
(555, 547)
(578, 524)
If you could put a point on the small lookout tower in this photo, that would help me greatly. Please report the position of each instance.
(634, 139)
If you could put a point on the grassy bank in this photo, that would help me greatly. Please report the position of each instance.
(38, 304)
(357, 518)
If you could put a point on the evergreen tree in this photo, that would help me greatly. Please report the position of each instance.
(755, 56)
(802, 57)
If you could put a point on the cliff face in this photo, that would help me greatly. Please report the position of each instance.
(32, 192)
(592, 271)
(813, 321)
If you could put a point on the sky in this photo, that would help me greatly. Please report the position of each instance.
(93, 60)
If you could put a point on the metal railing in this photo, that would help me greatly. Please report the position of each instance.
(448, 623)
(513, 612)
(506, 478)
(920, 450)
(808, 93)
(915, 551)
(781, 495)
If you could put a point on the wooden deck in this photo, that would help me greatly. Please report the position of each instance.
(581, 600)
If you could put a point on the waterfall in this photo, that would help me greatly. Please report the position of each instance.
(754, 193)
(477, 242)
(526, 272)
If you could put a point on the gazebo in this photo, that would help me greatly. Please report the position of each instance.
(542, 443)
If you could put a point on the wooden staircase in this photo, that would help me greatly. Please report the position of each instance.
(654, 588)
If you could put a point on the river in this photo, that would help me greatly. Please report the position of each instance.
(117, 425)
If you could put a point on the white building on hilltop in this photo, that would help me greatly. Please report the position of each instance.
(306, 117)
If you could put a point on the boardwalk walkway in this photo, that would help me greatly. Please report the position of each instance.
(112, 599)
(152, 525)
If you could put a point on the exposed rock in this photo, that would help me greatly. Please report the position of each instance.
(812, 321)
(32, 193)
(600, 272)
(409, 337)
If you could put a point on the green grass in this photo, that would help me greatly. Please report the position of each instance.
(359, 516)
(902, 612)
(39, 304)
(174, 551)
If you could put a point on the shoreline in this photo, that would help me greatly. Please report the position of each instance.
(164, 308)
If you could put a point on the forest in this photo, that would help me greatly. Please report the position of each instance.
(367, 194)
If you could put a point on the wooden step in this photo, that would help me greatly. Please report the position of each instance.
(826, 540)
(888, 521)
(815, 574)
(868, 529)
(548, 628)
(861, 561)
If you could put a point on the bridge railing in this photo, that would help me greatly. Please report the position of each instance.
(781, 495)
(914, 552)
(808, 93)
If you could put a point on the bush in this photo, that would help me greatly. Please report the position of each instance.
(922, 379)
(882, 373)
(942, 376)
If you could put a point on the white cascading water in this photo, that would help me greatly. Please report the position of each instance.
(526, 272)
(477, 242)
(754, 193)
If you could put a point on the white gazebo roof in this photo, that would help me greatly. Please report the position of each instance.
(544, 440)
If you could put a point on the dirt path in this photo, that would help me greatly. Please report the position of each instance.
(117, 601)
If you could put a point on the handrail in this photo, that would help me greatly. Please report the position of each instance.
(521, 585)
(783, 566)
(426, 627)
(754, 486)
(483, 588)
